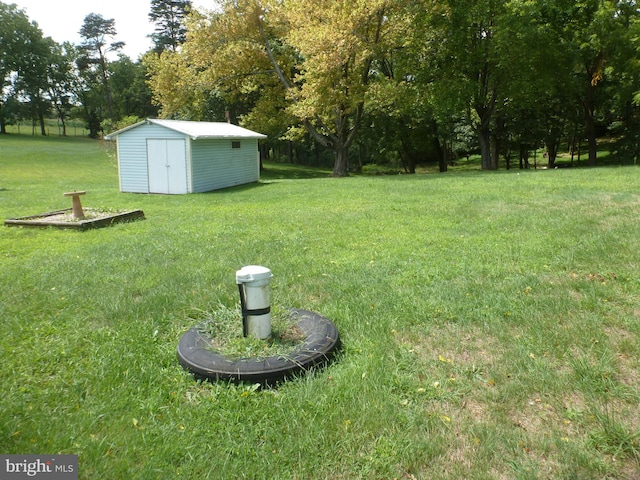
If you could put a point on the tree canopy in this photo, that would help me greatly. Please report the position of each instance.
(519, 74)
(41, 78)
(23, 63)
(169, 17)
(377, 81)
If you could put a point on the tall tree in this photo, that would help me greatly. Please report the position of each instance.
(32, 80)
(130, 91)
(626, 89)
(61, 72)
(169, 18)
(10, 17)
(316, 55)
(98, 33)
(339, 42)
(539, 85)
(469, 66)
(23, 53)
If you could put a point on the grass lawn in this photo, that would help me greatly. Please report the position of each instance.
(490, 322)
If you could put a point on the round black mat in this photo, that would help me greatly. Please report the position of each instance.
(321, 340)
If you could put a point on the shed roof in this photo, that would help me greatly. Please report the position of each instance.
(197, 130)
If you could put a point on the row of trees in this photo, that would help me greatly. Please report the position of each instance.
(369, 81)
(42, 78)
(414, 79)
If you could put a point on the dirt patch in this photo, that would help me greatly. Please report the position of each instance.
(292, 333)
(473, 348)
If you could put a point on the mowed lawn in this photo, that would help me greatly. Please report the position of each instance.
(490, 323)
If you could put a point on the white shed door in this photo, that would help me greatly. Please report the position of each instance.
(167, 161)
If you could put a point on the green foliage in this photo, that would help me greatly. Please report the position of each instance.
(131, 93)
(169, 16)
(316, 69)
(110, 127)
(369, 82)
(403, 79)
(98, 35)
(41, 77)
(23, 64)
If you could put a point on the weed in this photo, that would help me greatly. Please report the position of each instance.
(613, 436)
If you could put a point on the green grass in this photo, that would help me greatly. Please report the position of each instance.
(490, 322)
(220, 325)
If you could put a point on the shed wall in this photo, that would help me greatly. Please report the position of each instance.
(215, 164)
(132, 155)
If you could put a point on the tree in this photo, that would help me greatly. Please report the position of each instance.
(625, 86)
(61, 72)
(469, 70)
(316, 56)
(23, 51)
(600, 36)
(31, 81)
(169, 16)
(539, 85)
(338, 43)
(130, 91)
(11, 19)
(515, 72)
(23, 62)
(97, 33)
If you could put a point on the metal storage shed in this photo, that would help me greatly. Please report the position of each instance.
(176, 156)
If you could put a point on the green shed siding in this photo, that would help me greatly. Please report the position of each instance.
(215, 164)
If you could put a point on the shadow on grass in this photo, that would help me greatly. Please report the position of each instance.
(285, 171)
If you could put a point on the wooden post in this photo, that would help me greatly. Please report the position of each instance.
(77, 206)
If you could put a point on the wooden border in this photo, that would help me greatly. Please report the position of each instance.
(38, 220)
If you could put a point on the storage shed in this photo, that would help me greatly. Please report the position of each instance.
(176, 156)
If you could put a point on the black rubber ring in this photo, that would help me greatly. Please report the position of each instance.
(321, 342)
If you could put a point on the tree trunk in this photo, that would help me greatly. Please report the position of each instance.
(485, 148)
(495, 149)
(407, 158)
(552, 153)
(524, 157)
(340, 165)
(591, 139)
(105, 83)
(338, 142)
(495, 140)
(443, 154)
(60, 114)
(290, 152)
(590, 123)
(483, 131)
(43, 129)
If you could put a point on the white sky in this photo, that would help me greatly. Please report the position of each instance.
(62, 19)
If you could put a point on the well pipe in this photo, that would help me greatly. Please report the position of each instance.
(253, 286)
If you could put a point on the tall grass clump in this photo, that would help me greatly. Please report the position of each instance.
(489, 322)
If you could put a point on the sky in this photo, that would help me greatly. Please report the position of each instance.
(62, 19)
